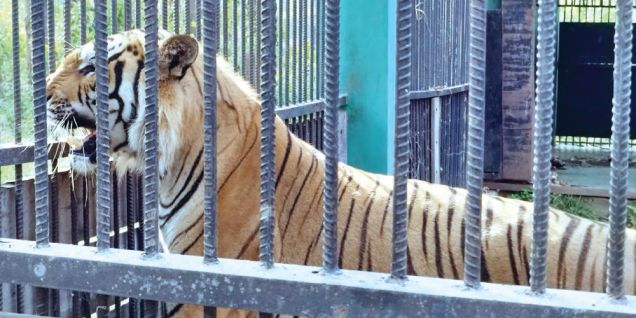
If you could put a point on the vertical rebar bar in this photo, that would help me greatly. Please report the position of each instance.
(127, 15)
(546, 50)
(150, 137)
(82, 22)
(138, 14)
(130, 230)
(267, 92)
(475, 151)
(164, 14)
(39, 110)
(210, 36)
(113, 17)
(620, 148)
(330, 139)
(67, 26)
(402, 135)
(176, 15)
(17, 126)
(103, 189)
(187, 20)
(198, 17)
(50, 33)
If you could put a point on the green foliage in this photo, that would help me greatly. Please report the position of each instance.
(577, 205)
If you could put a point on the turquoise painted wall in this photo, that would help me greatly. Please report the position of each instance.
(364, 73)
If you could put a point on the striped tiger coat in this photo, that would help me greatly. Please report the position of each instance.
(576, 246)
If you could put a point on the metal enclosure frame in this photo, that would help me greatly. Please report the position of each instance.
(293, 289)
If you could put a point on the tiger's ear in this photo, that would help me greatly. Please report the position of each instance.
(176, 54)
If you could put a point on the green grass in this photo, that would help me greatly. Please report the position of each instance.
(577, 205)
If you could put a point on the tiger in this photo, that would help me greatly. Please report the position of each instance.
(435, 238)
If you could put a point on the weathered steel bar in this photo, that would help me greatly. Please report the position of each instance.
(210, 35)
(620, 148)
(268, 104)
(330, 138)
(544, 100)
(402, 135)
(82, 22)
(67, 26)
(361, 294)
(103, 189)
(475, 152)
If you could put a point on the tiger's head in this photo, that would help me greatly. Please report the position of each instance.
(71, 101)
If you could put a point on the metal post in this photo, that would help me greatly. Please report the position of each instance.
(113, 16)
(67, 26)
(176, 15)
(543, 141)
(330, 137)
(103, 139)
(402, 135)
(150, 137)
(267, 91)
(210, 35)
(82, 22)
(475, 153)
(17, 115)
(50, 33)
(39, 110)
(620, 148)
(127, 15)
(436, 133)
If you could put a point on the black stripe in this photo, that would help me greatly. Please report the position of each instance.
(240, 162)
(120, 145)
(438, 252)
(185, 198)
(298, 194)
(247, 243)
(511, 256)
(580, 266)
(185, 184)
(449, 224)
(285, 157)
(485, 275)
(410, 270)
(313, 244)
(425, 211)
(489, 217)
(386, 211)
(175, 310)
(365, 225)
(520, 243)
(565, 240)
(187, 249)
(188, 229)
(346, 229)
(140, 66)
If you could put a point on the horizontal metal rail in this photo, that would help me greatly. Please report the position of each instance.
(439, 91)
(13, 154)
(306, 108)
(246, 284)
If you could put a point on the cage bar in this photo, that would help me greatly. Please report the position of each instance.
(150, 135)
(82, 22)
(475, 154)
(39, 109)
(402, 134)
(187, 19)
(268, 104)
(114, 28)
(127, 15)
(67, 26)
(210, 36)
(103, 138)
(50, 33)
(138, 14)
(176, 15)
(620, 148)
(164, 13)
(198, 18)
(330, 138)
(544, 100)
